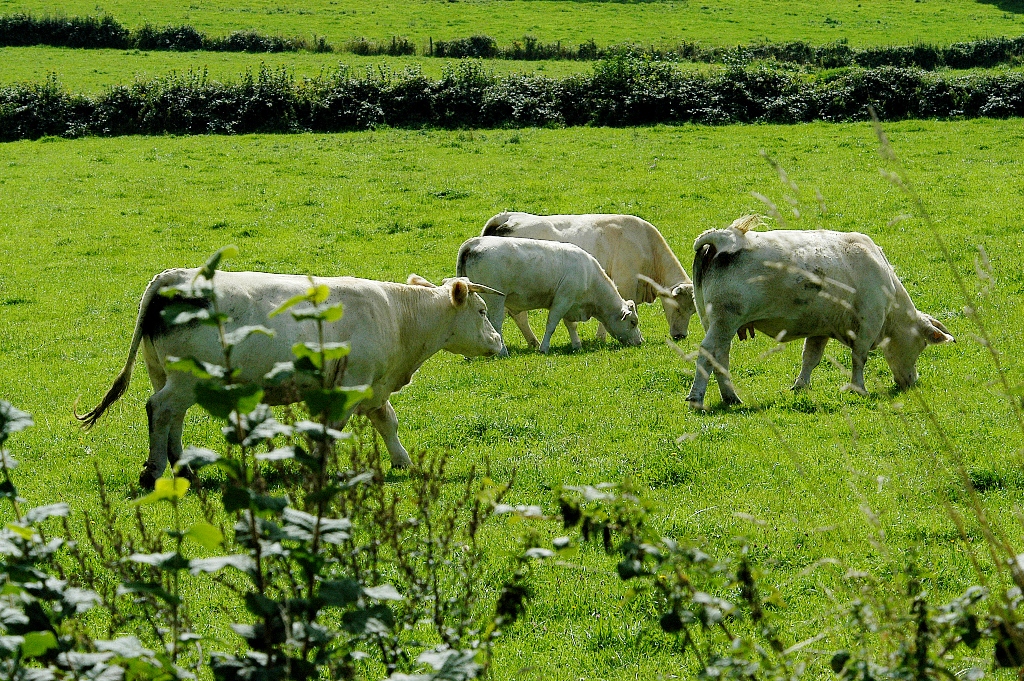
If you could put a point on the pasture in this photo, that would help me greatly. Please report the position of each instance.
(723, 22)
(86, 224)
(104, 68)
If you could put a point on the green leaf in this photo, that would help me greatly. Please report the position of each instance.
(178, 314)
(318, 294)
(333, 313)
(236, 499)
(384, 592)
(215, 564)
(23, 532)
(377, 619)
(190, 365)
(38, 642)
(170, 561)
(241, 333)
(12, 419)
(206, 535)
(340, 593)
(221, 400)
(308, 351)
(334, 351)
(281, 372)
(210, 268)
(288, 304)
(334, 403)
(196, 458)
(165, 489)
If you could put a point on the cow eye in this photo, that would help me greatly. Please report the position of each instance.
(483, 312)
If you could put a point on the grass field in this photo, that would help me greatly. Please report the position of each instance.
(95, 70)
(717, 22)
(86, 224)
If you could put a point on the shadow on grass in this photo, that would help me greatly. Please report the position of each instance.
(1012, 6)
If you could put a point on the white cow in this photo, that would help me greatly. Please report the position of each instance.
(815, 285)
(562, 278)
(391, 328)
(626, 246)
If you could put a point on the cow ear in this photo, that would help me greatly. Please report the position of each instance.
(417, 280)
(682, 289)
(460, 292)
(933, 330)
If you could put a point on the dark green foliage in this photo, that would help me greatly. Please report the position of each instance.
(621, 91)
(19, 30)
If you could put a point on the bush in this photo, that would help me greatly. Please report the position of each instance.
(620, 91)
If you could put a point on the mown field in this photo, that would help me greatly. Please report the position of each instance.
(722, 22)
(87, 223)
(94, 70)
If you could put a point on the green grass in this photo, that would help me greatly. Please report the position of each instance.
(94, 70)
(86, 223)
(715, 22)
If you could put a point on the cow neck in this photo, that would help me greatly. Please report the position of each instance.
(668, 271)
(902, 315)
(424, 327)
(607, 302)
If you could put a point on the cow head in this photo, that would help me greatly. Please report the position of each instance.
(626, 326)
(679, 308)
(903, 349)
(470, 332)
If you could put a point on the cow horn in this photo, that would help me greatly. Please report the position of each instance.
(480, 288)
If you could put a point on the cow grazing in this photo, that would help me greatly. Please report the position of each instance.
(625, 246)
(392, 329)
(559, 277)
(814, 285)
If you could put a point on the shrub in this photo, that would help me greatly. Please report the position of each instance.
(619, 91)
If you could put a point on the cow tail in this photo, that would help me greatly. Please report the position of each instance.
(705, 251)
(460, 265)
(120, 385)
(497, 226)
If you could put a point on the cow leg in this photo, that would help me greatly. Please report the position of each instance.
(859, 359)
(385, 421)
(522, 320)
(555, 314)
(165, 410)
(602, 333)
(713, 357)
(814, 348)
(574, 337)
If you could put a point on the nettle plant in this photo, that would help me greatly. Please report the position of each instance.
(317, 547)
(720, 610)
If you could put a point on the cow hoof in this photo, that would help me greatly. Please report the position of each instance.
(855, 389)
(146, 479)
(695, 404)
(402, 463)
(732, 401)
(798, 386)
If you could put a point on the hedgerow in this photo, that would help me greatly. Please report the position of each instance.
(618, 92)
(18, 30)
